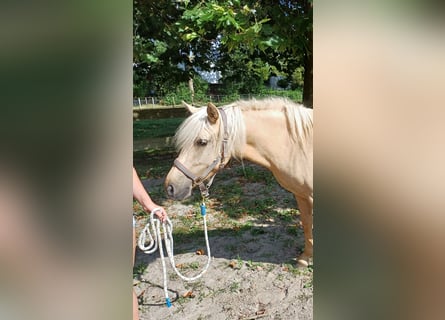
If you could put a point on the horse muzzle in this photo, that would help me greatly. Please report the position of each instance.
(178, 193)
(177, 186)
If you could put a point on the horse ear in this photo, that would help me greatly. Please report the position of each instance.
(189, 107)
(212, 113)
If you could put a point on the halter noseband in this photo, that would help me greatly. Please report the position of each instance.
(220, 159)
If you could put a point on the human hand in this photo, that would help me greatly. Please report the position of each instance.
(161, 214)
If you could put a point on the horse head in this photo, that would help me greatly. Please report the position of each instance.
(201, 140)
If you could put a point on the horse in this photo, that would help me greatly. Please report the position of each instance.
(274, 133)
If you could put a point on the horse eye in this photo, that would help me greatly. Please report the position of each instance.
(202, 142)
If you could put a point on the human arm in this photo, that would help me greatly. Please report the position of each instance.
(141, 195)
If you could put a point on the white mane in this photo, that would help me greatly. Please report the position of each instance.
(299, 120)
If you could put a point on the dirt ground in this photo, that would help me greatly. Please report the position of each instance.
(254, 236)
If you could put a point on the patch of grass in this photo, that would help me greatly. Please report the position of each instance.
(187, 221)
(181, 300)
(239, 261)
(256, 174)
(194, 265)
(231, 248)
(309, 284)
(190, 223)
(275, 236)
(234, 230)
(138, 270)
(300, 271)
(288, 243)
(309, 271)
(157, 193)
(231, 192)
(153, 164)
(270, 267)
(280, 277)
(253, 265)
(190, 266)
(194, 286)
(234, 287)
(202, 296)
(292, 268)
(182, 235)
(216, 292)
(288, 215)
(294, 230)
(257, 231)
(155, 128)
(256, 206)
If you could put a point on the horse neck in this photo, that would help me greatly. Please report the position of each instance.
(264, 140)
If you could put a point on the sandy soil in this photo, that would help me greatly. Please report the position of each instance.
(253, 273)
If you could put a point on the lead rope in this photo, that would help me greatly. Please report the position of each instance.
(155, 243)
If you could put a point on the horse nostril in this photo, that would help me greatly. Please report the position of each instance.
(170, 190)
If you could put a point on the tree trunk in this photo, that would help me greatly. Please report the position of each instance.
(308, 61)
(308, 78)
(192, 89)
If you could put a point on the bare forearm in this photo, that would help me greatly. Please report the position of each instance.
(140, 194)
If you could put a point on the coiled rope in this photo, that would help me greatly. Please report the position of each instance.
(156, 242)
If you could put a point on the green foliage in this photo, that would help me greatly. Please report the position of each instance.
(297, 78)
(235, 23)
(182, 92)
(248, 41)
(295, 95)
(283, 83)
(156, 47)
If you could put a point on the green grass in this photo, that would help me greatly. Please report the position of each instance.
(294, 230)
(234, 287)
(139, 270)
(254, 265)
(288, 215)
(153, 164)
(190, 266)
(253, 174)
(155, 128)
(257, 231)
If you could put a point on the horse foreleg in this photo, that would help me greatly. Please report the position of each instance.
(305, 204)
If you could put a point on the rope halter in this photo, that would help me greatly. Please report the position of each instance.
(213, 167)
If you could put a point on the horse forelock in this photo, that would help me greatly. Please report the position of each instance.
(192, 126)
(189, 130)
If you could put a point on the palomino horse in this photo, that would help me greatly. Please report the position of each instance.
(274, 133)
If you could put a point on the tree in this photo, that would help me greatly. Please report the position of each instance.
(157, 47)
(277, 32)
(247, 42)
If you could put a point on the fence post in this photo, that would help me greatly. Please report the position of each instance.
(153, 101)
(139, 101)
